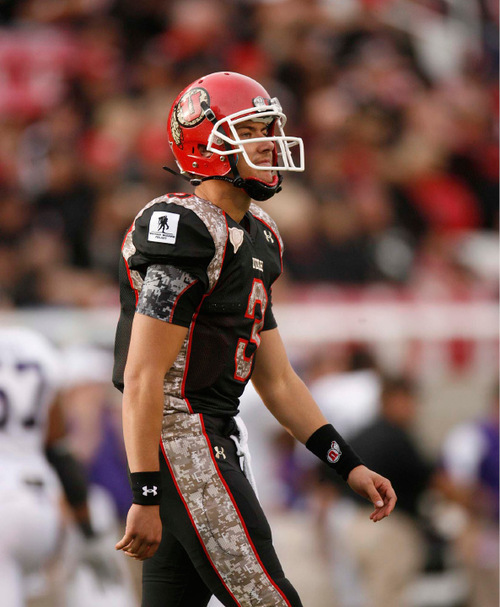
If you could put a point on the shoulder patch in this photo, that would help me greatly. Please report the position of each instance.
(163, 227)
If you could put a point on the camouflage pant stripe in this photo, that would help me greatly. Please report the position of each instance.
(214, 515)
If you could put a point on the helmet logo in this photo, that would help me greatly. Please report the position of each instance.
(188, 112)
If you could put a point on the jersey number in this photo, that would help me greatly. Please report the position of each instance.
(243, 364)
(32, 384)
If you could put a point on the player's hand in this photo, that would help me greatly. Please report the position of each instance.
(142, 532)
(375, 488)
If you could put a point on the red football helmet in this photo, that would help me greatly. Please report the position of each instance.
(203, 119)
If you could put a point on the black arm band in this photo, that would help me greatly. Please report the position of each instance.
(70, 473)
(327, 444)
(146, 488)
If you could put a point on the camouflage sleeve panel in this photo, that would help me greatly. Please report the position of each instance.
(170, 294)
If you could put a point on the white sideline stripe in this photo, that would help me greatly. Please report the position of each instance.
(387, 321)
(298, 323)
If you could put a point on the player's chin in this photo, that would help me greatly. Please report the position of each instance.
(266, 176)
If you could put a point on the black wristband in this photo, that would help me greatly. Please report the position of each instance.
(146, 488)
(327, 444)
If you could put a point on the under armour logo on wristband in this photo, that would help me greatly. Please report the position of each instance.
(334, 453)
(146, 490)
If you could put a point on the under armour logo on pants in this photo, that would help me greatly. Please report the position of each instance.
(219, 452)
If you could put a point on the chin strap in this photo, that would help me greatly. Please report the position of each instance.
(255, 188)
(195, 181)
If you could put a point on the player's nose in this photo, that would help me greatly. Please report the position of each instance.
(265, 147)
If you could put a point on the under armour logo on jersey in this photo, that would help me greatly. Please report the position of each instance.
(146, 490)
(334, 453)
(269, 236)
(236, 238)
(219, 452)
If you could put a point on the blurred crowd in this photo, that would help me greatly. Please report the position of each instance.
(397, 102)
(439, 548)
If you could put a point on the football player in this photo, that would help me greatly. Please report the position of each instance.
(37, 468)
(196, 324)
(30, 515)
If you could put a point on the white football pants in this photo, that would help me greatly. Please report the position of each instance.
(30, 520)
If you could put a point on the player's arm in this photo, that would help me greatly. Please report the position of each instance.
(69, 470)
(154, 346)
(174, 285)
(71, 473)
(289, 400)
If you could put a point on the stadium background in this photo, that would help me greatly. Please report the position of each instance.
(391, 233)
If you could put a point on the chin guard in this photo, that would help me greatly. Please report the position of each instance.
(258, 190)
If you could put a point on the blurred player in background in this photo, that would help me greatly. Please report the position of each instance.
(354, 379)
(39, 474)
(30, 492)
(357, 549)
(93, 572)
(196, 276)
(93, 412)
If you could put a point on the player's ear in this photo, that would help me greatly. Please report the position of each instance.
(202, 149)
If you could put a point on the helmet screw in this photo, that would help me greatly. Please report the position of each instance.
(195, 165)
(222, 158)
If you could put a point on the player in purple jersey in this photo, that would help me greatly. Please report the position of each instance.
(196, 324)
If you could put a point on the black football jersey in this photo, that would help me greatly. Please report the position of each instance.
(195, 266)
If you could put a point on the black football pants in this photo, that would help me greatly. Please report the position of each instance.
(216, 538)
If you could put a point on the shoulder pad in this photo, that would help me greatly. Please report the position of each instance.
(266, 219)
(178, 229)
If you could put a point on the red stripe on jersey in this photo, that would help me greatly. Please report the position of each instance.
(179, 296)
(188, 354)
